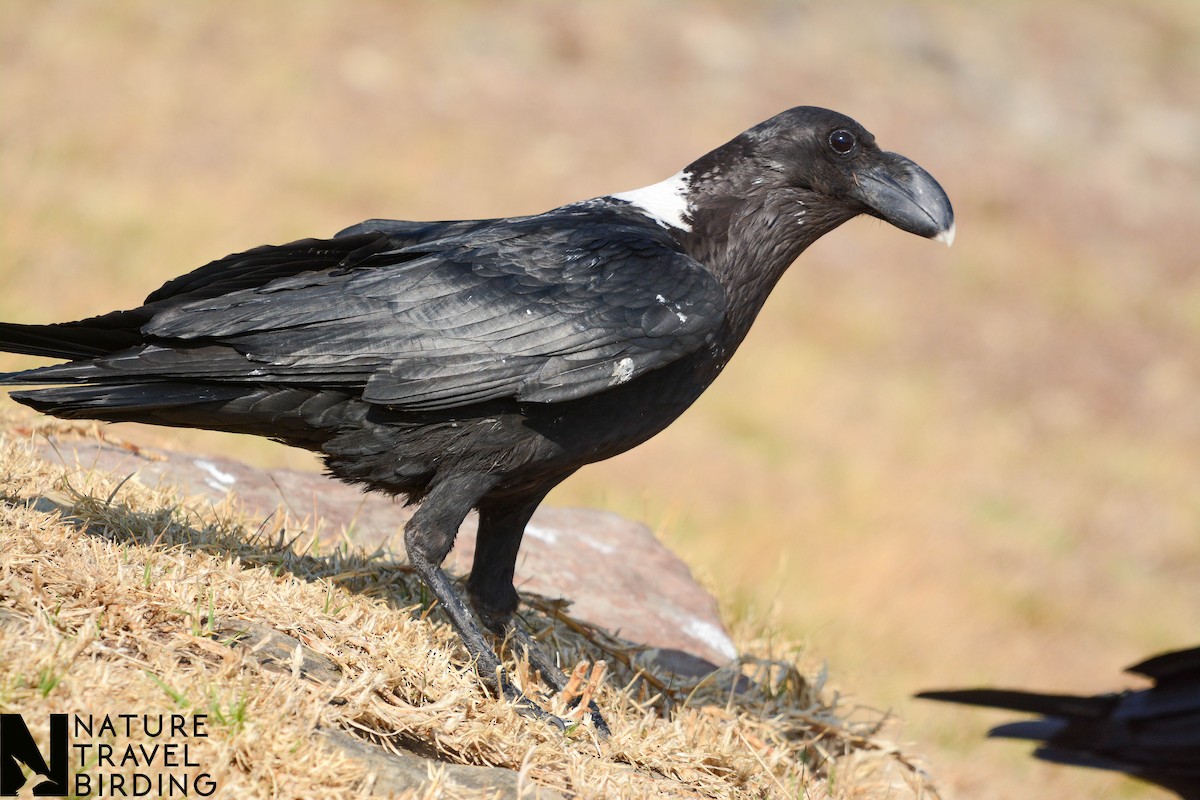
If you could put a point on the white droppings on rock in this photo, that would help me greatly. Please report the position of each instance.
(541, 534)
(600, 547)
(711, 635)
(217, 478)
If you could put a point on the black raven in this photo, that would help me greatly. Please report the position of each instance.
(477, 364)
(1152, 734)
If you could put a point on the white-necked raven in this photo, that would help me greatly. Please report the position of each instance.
(1152, 734)
(476, 364)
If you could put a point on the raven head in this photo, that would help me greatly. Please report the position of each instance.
(837, 167)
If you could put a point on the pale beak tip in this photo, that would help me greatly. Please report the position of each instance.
(946, 236)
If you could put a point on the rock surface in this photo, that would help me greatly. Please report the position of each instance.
(614, 571)
(389, 771)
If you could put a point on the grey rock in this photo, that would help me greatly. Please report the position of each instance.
(391, 773)
(277, 651)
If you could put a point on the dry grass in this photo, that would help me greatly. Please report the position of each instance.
(936, 468)
(117, 597)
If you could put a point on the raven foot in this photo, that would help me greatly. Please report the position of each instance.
(554, 677)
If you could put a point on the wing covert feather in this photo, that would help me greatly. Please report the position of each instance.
(525, 310)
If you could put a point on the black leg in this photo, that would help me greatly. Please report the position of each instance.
(490, 586)
(501, 526)
(428, 538)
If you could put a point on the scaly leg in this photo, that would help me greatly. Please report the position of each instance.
(428, 537)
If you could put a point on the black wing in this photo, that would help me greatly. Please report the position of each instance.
(537, 309)
(103, 335)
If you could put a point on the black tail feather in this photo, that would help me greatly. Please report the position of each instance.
(123, 403)
(1152, 734)
(1049, 705)
(88, 338)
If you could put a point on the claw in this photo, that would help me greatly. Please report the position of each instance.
(557, 681)
(528, 708)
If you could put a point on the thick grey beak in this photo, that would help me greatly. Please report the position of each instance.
(898, 191)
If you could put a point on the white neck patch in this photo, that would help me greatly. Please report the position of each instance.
(665, 202)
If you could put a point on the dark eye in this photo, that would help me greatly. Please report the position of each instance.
(842, 141)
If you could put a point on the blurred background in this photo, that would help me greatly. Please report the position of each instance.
(933, 467)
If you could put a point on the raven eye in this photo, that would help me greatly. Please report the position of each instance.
(842, 141)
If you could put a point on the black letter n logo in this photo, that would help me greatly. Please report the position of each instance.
(16, 745)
